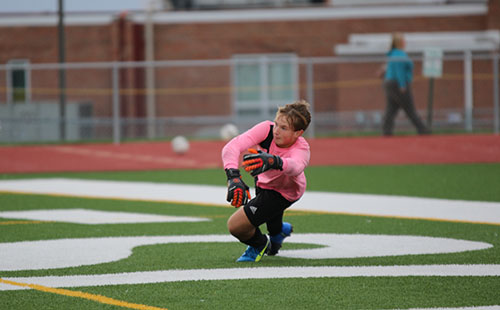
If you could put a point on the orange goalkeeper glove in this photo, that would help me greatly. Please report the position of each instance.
(238, 192)
(258, 162)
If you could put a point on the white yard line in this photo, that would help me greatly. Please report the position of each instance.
(74, 252)
(95, 217)
(257, 273)
(461, 308)
(357, 204)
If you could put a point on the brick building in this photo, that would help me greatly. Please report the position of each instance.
(278, 41)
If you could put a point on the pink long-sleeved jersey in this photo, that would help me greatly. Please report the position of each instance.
(291, 182)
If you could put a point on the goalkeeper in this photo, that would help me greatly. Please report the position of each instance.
(278, 167)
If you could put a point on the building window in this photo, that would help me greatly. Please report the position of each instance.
(18, 81)
(262, 83)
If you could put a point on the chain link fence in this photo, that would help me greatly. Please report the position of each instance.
(120, 101)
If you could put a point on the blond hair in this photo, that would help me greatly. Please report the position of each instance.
(398, 40)
(297, 114)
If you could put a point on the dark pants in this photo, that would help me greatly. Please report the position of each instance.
(267, 207)
(395, 99)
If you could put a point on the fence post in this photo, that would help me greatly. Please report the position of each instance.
(496, 116)
(310, 94)
(150, 71)
(469, 103)
(116, 104)
(62, 72)
(8, 98)
(264, 87)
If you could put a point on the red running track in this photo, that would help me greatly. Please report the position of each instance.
(206, 154)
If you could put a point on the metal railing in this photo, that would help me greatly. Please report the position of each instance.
(113, 101)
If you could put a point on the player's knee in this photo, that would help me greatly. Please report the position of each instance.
(237, 230)
(232, 227)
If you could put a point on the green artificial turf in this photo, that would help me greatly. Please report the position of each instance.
(470, 182)
(453, 181)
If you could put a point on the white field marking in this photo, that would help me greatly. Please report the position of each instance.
(284, 272)
(356, 204)
(258, 273)
(85, 216)
(461, 308)
(63, 253)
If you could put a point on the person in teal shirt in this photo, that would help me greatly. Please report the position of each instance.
(397, 85)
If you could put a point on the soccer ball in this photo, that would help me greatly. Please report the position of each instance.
(180, 144)
(228, 131)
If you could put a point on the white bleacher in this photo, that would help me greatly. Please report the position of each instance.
(383, 2)
(246, 3)
(416, 42)
(399, 2)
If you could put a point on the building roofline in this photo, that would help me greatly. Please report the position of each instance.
(253, 15)
(323, 13)
(51, 19)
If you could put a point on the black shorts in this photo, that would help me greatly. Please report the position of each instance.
(266, 205)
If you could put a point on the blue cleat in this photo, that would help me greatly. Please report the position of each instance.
(277, 240)
(252, 254)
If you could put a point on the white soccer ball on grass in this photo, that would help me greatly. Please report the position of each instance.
(228, 131)
(180, 144)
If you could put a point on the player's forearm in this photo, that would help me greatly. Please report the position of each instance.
(294, 167)
(230, 156)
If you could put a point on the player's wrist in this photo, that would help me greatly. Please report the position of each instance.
(232, 173)
(279, 162)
